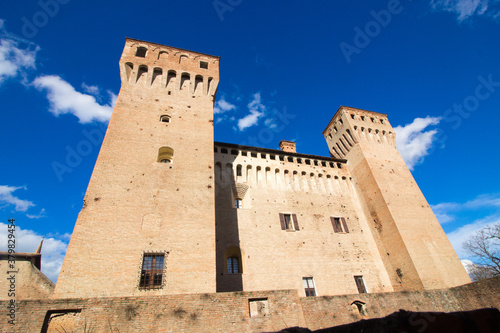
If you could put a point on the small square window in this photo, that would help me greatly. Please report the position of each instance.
(204, 64)
(309, 288)
(152, 271)
(141, 52)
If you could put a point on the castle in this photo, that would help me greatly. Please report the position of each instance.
(170, 213)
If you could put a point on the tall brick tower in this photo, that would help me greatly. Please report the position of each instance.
(147, 226)
(412, 244)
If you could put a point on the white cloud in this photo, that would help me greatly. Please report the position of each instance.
(16, 55)
(463, 8)
(65, 99)
(222, 106)
(6, 197)
(37, 216)
(460, 235)
(257, 111)
(444, 211)
(413, 141)
(53, 250)
(92, 90)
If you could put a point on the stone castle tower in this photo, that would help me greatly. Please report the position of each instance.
(414, 248)
(149, 206)
(168, 211)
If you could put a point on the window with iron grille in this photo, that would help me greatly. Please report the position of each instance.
(152, 271)
(233, 265)
(360, 283)
(308, 283)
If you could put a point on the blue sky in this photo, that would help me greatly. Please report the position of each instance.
(286, 66)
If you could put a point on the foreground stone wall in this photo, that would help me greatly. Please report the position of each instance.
(322, 312)
(238, 311)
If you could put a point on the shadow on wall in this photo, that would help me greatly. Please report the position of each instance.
(477, 321)
(229, 259)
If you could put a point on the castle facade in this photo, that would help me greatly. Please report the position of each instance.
(170, 211)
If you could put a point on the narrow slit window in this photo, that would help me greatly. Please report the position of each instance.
(360, 284)
(238, 203)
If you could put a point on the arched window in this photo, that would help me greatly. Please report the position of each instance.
(185, 80)
(165, 118)
(165, 155)
(198, 83)
(141, 52)
(162, 55)
(233, 256)
(128, 69)
(143, 72)
(157, 74)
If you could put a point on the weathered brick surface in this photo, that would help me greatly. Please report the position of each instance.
(322, 312)
(136, 205)
(413, 246)
(229, 312)
(221, 312)
(315, 189)
(29, 282)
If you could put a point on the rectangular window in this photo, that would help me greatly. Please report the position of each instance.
(360, 283)
(232, 265)
(152, 271)
(308, 283)
(339, 224)
(204, 64)
(289, 222)
(238, 203)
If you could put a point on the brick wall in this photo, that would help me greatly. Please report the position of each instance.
(230, 312)
(221, 312)
(322, 312)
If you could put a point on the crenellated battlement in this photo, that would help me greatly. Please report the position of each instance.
(170, 69)
(350, 126)
(260, 167)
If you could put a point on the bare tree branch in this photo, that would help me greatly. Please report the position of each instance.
(484, 247)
